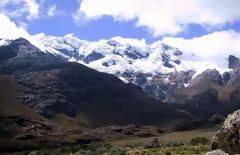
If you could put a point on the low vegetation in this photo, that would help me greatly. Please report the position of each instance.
(161, 145)
(107, 149)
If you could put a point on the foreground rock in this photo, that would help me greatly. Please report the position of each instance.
(216, 152)
(227, 138)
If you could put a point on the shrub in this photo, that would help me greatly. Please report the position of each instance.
(66, 149)
(199, 141)
(174, 144)
(118, 151)
(168, 153)
(76, 148)
(95, 146)
(134, 145)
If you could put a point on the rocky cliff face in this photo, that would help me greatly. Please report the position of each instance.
(208, 75)
(160, 70)
(51, 85)
(233, 62)
(157, 68)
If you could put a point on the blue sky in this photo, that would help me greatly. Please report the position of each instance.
(106, 24)
(104, 28)
(207, 28)
(103, 19)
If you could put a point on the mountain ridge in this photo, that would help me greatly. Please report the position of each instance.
(157, 68)
(51, 85)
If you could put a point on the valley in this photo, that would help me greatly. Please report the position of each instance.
(52, 104)
(174, 143)
(119, 77)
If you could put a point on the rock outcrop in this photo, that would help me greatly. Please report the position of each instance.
(227, 138)
(216, 152)
(210, 75)
(233, 62)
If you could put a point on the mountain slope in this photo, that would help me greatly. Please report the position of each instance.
(48, 82)
(52, 86)
(157, 68)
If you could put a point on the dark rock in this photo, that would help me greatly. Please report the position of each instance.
(105, 64)
(233, 62)
(217, 119)
(113, 43)
(177, 53)
(166, 60)
(206, 99)
(166, 47)
(86, 139)
(116, 129)
(178, 62)
(190, 125)
(25, 137)
(209, 74)
(226, 77)
(141, 79)
(147, 133)
(168, 64)
(227, 136)
(133, 53)
(130, 129)
(72, 54)
(214, 146)
(234, 78)
(155, 143)
(161, 131)
(93, 57)
(235, 97)
(117, 53)
(51, 85)
(153, 91)
(21, 120)
(6, 52)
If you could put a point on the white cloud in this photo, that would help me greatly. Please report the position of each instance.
(33, 8)
(52, 10)
(19, 8)
(23, 25)
(163, 17)
(213, 47)
(9, 30)
(80, 18)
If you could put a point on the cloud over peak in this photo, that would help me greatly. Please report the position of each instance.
(163, 17)
(215, 46)
(9, 30)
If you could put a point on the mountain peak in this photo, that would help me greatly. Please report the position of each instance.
(132, 60)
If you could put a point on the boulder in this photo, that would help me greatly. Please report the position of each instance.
(227, 138)
(216, 152)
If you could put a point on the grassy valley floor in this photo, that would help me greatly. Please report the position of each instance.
(175, 143)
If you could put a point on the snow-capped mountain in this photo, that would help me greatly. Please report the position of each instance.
(158, 68)
(121, 54)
